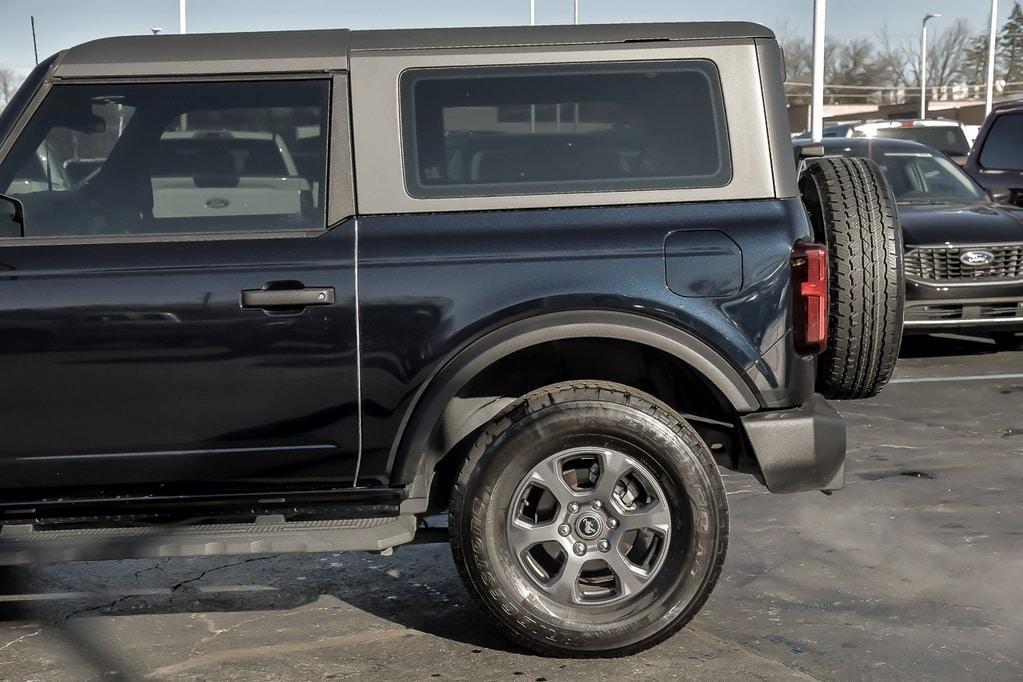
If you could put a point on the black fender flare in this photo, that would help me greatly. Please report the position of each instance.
(411, 454)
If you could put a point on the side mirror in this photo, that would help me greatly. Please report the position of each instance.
(12, 217)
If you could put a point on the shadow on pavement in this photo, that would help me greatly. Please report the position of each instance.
(935, 346)
(416, 592)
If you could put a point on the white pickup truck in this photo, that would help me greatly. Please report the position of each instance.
(210, 173)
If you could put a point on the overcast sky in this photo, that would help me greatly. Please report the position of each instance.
(62, 23)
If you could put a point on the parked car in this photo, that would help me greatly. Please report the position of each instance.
(844, 129)
(948, 137)
(430, 334)
(219, 173)
(996, 160)
(963, 251)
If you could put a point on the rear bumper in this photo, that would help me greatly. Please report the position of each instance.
(799, 449)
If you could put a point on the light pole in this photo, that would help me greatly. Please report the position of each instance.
(182, 16)
(817, 87)
(992, 32)
(575, 11)
(923, 64)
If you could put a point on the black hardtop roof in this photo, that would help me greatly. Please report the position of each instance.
(328, 50)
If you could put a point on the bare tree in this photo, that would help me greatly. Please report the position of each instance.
(892, 60)
(946, 55)
(8, 84)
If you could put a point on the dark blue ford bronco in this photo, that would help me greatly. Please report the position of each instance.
(295, 291)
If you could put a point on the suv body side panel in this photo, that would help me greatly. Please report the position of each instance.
(432, 284)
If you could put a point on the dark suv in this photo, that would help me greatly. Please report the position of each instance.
(301, 289)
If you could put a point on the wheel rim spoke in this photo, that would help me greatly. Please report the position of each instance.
(565, 585)
(654, 516)
(523, 535)
(612, 467)
(549, 474)
(631, 578)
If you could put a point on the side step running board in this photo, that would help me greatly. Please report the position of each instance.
(268, 535)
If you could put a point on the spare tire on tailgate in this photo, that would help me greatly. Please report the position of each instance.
(853, 212)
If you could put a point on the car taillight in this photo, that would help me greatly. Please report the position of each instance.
(810, 293)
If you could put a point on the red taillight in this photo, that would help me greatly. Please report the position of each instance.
(810, 289)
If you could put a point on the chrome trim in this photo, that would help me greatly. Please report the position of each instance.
(942, 283)
(969, 322)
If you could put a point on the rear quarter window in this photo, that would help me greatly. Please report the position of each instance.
(492, 131)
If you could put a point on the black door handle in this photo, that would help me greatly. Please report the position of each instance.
(268, 299)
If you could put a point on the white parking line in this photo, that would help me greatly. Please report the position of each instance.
(968, 377)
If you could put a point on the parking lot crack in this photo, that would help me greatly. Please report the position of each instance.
(19, 639)
(189, 581)
(102, 607)
(157, 566)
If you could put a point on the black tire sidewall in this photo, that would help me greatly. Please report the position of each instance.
(852, 211)
(683, 581)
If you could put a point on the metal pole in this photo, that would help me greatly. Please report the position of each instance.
(35, 47)
(817, 87)
(992, 33)
(532, 107)
(183, 29)
(923, 70)
(575, 107)
(923, 64)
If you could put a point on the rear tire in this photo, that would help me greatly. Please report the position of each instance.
(853, 212)
(553, 501)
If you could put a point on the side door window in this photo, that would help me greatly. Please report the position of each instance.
(152, 159)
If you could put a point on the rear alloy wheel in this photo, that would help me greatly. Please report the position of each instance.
(589, 519)
(589, 526)
(853, 212)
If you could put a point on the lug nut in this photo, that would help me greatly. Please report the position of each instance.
(612, 523)
(603, 545)
(596, 504)
(564, 529)
(573, 507)
(579, 548)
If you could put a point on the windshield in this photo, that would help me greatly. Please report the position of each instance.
(948, 139)
(925, 177)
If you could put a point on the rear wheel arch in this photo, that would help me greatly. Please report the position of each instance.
(444, 414)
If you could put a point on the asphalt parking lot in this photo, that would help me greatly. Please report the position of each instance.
(913, 571)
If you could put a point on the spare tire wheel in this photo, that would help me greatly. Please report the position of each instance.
(853, 212)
